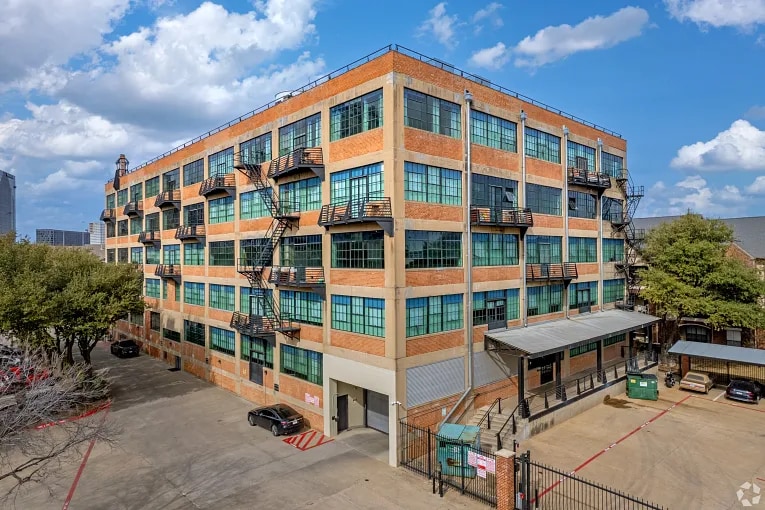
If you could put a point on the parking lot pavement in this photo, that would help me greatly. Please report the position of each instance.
(185, 444)
(686, 450)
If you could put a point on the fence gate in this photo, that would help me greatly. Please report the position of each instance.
(723, 371)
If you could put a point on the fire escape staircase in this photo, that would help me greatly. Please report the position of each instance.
(633, 236)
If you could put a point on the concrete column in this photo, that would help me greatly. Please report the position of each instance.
(505, 473)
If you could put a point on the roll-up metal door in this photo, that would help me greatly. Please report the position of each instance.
(377, 411)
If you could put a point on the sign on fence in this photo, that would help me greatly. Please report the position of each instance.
(482, 463)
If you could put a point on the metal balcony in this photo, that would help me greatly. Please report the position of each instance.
(171, 271)
(298, 161)
(133, 208)
(364, 210)
(108, 215)
(600, 182)
(307, 277)
(170, 198)
(219, 184)
(190, 233)
(617, 219)
(548, 272)
(153, 237)
(501, 216)
(258, 325)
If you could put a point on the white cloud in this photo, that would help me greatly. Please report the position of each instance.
(741, 146)
(598, 32)
(755, 112)
(757, 187)
(491, 58)
(440, 25)
(694, 194)
(743, 14)
(72, 176)
(489, 13)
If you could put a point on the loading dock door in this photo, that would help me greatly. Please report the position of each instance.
(377, 411)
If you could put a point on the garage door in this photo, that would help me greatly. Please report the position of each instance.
(377, 411)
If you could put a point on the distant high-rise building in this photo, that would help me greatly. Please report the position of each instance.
(7, 202)
(62, 237)
(97, 232)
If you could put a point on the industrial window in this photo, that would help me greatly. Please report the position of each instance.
(110, 229)
(433, 314)
(122, 255)
(251, 251)
(171, 180)
(136, 255)
(582, 294)
(194, 172)
(582, 349)
(302, 307)
(257, 150)
(169, 334)
(542, 145)
(495, 306)
(222, 297)
(613, 209)
(303, 195)
(221, 163)
(697, 334)
(152, 287)
(152, 222)
(613, 250)
(136, 225)
(611, 164)
(110, 255)
(164, 289)
(495, 249)
(194, 332)
(222, 253)
(613, 290)
(358, 250)
(171, 254)
(490, 191)
(579, 154)
(542, 300)
(136, 319)
(301, 363)
(122, 197)
(426, 249)
(177, 287)
(136, 192)
(543, 250)
(152, 255)
(110, 201)
(356, 184)
(424, 183)
(359, 315)
(194, 293)
(194, 254)
(152, 187)
(221, 210)
(543, 199)
(493, 132)
(253, 301)
(581, 205)
(582, 249)
(154, 321)
(194, 214)
(356, 116)
(222, 340)
(254, 204)
(426, 112)
(301, 251)
(301, 134)
(614, 339)
(122, 228)
(257, 350)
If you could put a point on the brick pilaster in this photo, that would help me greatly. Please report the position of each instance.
(505, 473)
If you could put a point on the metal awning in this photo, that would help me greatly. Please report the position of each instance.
(538, 340)
(720, 352)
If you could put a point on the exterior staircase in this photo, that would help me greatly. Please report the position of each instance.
(496, 419)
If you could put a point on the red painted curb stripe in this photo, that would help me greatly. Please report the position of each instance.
(90, 412)
(76, 481)
(301, 445)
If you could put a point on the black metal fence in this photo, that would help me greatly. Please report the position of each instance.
(544, 487)
(470, 470)
(722, 372)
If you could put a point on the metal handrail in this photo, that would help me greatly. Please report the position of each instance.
(508, 420)
(487, 416)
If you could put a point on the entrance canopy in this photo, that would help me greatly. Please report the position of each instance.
(545, 338)
(720, 352)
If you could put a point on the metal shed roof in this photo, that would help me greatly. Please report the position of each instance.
(720, 352)
(545, 338)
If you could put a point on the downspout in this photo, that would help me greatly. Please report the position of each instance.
(564, 247)
(522, 204)
(600, 228)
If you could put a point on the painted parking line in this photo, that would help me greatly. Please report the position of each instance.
(307, 440)
(748, 407)
(85, 458)
(718, 396)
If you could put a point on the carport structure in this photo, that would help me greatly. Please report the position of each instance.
(721, 362)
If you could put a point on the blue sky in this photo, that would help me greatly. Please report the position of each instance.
(682, 80)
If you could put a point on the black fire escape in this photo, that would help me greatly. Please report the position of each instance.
(622, 223)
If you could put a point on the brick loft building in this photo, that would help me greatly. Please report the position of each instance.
(320, 250)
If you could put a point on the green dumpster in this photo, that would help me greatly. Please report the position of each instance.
(643, 386)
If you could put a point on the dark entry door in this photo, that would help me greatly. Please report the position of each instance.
(342, 413)
(546, 374)
(177, 362)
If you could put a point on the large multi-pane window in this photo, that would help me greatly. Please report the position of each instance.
(425, 183)
(544, 250)
(152, 287)
(110, 229)
(359, 315)
(194, 214)
(122, 197)
(194, 332)
(194, 172)
(581, 156)
(613, 250)
(136, 255)
(152, 187)
(136, 192)
(582, 294)
(194, 293)
(303, 195)
(613, 209)
(613, 290)
(495, 249)
(136, 225)
(221, 210)
(493, 132)
(302, 363)
(582, 349)
(194, 254)
(254, 301)
(222, 340)
(171, 219)
(611, 164)
(582, 249)
(111, 255)
(154, 321)
(427, 249)
(257, 150)
(356, 116)
(301, 251)
(581, 205)
(136, 319)
(221, 163)
(152, 222)
(110, 200)
(254, 204)
(170, 334)
(171, 254)
(614, 339)
(302, 307)
(543, 199)
(251, 251)
(433, 314)
(257, 350)
(301, 134)
(171, 180)
(122, 228)
(356, 184)
(358, 250)
(490, 191)
(495, 305)
(426, 112)
(542, 145)
(222, 297)
(152, 255)
(122, 255)
(542, 300)
(221, 253)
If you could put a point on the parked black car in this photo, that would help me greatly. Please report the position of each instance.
(125, 348)
(743, 390)
(278, 418)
